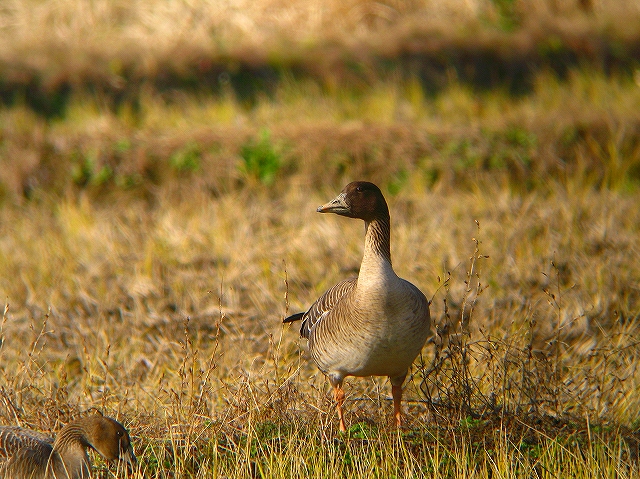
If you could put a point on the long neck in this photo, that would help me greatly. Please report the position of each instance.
(377, 245)
(377, 240)
(70, 446)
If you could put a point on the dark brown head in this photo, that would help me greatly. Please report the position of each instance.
(109, 438)
(359, 199)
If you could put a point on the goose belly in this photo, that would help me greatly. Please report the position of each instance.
(374, 349)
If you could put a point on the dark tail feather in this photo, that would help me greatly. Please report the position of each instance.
(293, 317)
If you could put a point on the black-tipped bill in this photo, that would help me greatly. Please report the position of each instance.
(129, 458)
(338, 205)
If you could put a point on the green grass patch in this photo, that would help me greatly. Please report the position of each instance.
(261, 159)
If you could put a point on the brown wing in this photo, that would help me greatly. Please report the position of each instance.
(13, 439)
(23, 450)
(322, 306)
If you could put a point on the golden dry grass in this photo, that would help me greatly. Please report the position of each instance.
(110, 43)
(168, 316)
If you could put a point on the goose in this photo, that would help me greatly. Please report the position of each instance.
(374, 324)
(27, 454)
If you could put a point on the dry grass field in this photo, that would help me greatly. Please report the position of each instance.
(157, 226)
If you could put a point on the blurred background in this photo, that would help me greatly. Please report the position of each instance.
(160, 166)
(112, 94)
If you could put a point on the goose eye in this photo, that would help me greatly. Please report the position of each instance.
(358, 188)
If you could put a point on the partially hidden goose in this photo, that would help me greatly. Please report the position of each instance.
(27, 454)
(374, 324)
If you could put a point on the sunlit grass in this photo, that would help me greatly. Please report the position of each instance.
(111, 40)
(151, 247)
(584, 95)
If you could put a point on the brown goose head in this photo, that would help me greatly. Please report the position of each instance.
(359, 199)
(110, 439)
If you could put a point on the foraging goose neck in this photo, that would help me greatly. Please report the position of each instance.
(378, 238)
(72, 435)
(71, 445)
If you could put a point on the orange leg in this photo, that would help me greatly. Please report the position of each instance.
(339, 395)
(396, 392)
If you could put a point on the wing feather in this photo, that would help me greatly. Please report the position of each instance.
(322, 306)
(13, 439)
(23, 450)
